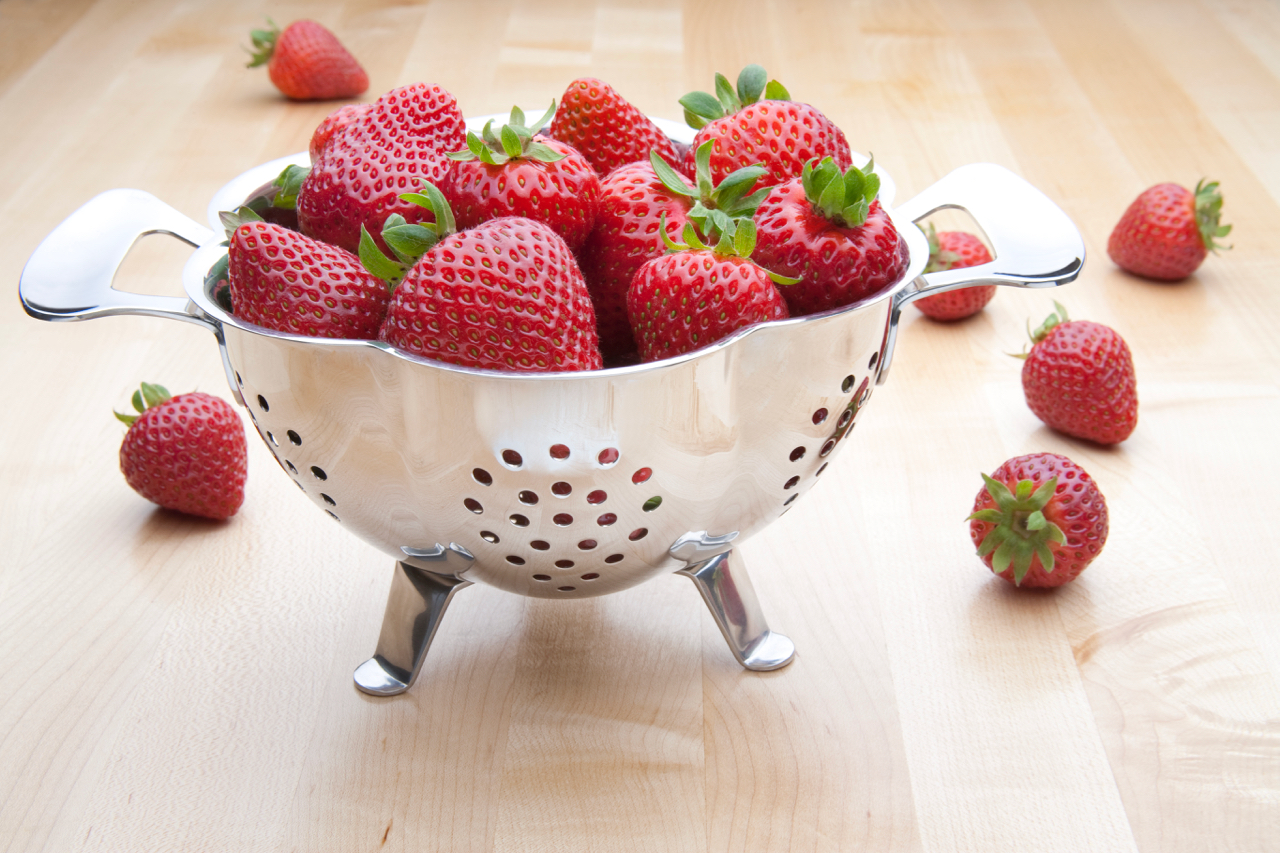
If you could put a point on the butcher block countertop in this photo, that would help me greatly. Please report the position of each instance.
(172, 684)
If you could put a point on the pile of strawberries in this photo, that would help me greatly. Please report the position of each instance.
(584, 239)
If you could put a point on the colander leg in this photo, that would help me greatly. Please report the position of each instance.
(415, 605)
(727, 590)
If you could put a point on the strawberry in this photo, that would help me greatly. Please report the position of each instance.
(1079, 379)
(504, 295)
(288, 282)
(634, 199)
(510, 173)
(697, 295)
(306, 62)
(759, 123)
(185, 453)
(1039, 521)
(607, 129)
(334, 123)
(1168, 231)
(361, 173)
(953, 250)
(827, 229)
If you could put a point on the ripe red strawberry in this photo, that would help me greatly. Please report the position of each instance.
(775, 132)
(635, 199)
(306, 62)
(510, 173)
(185, 453)
(607, 129)
(827, 229)
(953, 250)
(288, 282)
(361, 174)
(1079, 379)
(1039, 521)
(1168, 230)
(334, 123)
(697, 295)
(505, 295)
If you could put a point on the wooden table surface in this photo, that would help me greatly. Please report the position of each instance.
(172, 684)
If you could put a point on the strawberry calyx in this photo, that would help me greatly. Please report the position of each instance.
(408, 241)
(737, 242)
(843, 198)
(1021, 532)
(264, 44)
(514, 140)
(702, 108)
(1208, 204)
(147, 396)
(1039, 333)
(940, 259)
(716, 207)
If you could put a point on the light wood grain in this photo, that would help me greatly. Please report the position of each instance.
(171, 684)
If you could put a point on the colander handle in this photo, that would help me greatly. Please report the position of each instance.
(1034, 242)
(69, 276)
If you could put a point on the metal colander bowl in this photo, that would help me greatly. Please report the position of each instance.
(564, 485)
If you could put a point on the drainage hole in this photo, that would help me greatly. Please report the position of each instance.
(559, 451)
(514, 560)
(566, 588)
(590, 576)
(561, 489)
(641, 475)
(790, 499)
(271, 438)
(638, 533)
(847, 385)
(652, 504)
(295, 438)
(791, 484)
(482, 476)
(542, 577)
(539, 545)
(797, 454)
(597, 497)
(826, 448)
(823, 468)
(527, 498)
(473, 505)
(519, 520)
(819, 416)
(512, 459)
(562, 519)
(845, 418)
(871, 365)
(564, 564)
(262, 403)
(319, 472)
(292, 468)
(587, 544)
(606, 519)
(330, 501)
(613, 558)
(608, 456)
(490, 537)
(331, 515)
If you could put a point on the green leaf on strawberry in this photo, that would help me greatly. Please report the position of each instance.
(513, 140)
(702, 108)
(407, 241)
(843, 198)
(1021, 530)
(287, 184)
(1208, 202)
(145, 397)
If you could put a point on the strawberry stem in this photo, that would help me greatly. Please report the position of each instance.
(1021, 532)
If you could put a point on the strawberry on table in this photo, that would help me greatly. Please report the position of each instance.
(288, 282)
(827, 229)
(697, 295)
(635, 199)
(405, 136)
(1078, 378)
(608, 129)
(1039, 520)
(758, 123)
(512, 172)
(1168, 230)
(306, 62)
(953, 250)
(185, 453)
(528, 310)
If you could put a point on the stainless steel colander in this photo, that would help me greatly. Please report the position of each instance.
(556, 485)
